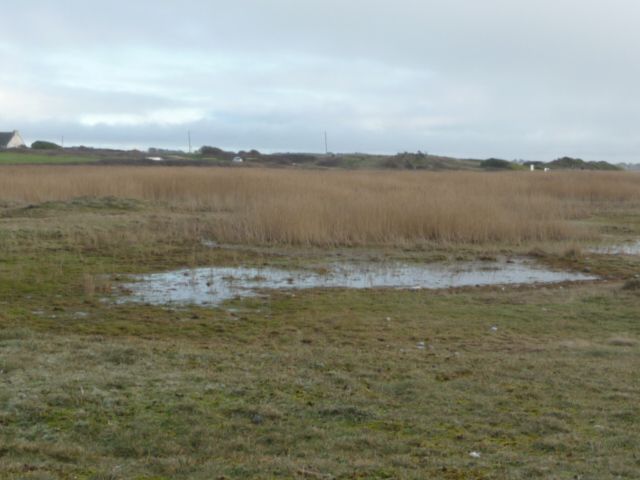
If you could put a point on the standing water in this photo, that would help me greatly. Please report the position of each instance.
(212, 286)
(632, 248)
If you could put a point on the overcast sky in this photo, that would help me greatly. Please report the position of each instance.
(532, 79)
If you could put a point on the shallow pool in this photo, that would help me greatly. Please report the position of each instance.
(211, 286)
(632, 248)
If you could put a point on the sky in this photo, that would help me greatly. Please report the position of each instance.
(515, 79)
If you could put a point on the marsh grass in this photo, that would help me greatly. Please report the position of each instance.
(287, 207)
(327, 384)
(320, 384)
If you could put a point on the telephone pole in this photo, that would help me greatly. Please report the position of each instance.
(189, 137)
(326, 143)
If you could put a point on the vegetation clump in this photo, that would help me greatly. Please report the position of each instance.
(43, 145)
(568, 163)
(498, 164)
(209, 151)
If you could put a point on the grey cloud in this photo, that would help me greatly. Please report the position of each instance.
(515, 79)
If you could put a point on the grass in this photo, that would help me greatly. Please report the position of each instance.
(11, 158)
(326, 384)
(541, 381)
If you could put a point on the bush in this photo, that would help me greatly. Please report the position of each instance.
(569, 163)
(43, 145)
(330, 162)
(220, 154)
(497, 164)
(396, 162)
(207, 150)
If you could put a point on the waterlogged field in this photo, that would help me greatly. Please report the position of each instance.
(497, 381)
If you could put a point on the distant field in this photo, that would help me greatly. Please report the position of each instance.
(11, 158)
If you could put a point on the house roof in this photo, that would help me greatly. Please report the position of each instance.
(5, 138)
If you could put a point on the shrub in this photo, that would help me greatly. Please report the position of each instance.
(579, 164)
(43, 145)
(497, 164)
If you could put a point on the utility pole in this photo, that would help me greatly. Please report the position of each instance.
(62, 143)
(326, 144)
(189, 136)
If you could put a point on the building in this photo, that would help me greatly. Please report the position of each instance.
(11, 140)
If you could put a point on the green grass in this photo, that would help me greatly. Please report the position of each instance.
(312, 384)
(11, 158)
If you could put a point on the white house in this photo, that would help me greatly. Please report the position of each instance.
(11, 140)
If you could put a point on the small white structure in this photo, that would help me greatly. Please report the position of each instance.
(546, 169)
(238, 160)
(532, 167)
(11, 140)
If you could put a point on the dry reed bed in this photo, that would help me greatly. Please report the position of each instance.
(346, 208)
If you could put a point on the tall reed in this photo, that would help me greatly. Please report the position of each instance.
(343, 207)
